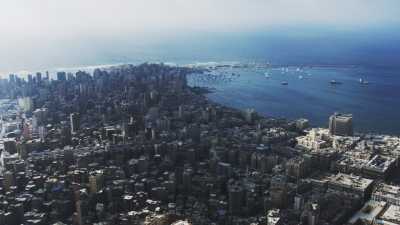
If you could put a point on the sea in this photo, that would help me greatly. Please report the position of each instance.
(371, 95)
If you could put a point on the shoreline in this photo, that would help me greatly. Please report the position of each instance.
(197, 64)
(147, 126)
(209, 90)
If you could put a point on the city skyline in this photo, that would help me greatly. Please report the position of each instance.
(214, 112)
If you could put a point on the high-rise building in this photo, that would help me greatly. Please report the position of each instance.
(65, 133)
(12, 78)
(187, 179)
(38, 77)
(298, 167)
(10, 145)
(30, 78)
(341, 124)
(9, 180)
(235, 197)
(25, 103)
(42, 132)
(40, 117)
(313, 214)
(298, 202)
(75, 122)
(96, 181)
(249, 115)
(70, 76)
(302, 124)
(61, 76)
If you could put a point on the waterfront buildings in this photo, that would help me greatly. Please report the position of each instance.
(136, 145)
(341, 124)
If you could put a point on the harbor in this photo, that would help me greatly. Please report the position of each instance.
(308, 91)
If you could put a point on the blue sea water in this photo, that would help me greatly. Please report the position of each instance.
(309, 94)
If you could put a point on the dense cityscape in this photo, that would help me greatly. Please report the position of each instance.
(137, 145)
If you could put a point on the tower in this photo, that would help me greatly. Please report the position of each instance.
(38, 77)
(75, 122)
(61, 76)
(235, 197)
(341, 124)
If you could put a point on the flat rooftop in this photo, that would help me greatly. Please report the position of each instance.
(369, 211)
(380, 163)
(355, 182)
(387, 190)
(392, 214)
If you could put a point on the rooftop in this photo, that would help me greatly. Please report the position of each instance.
(392, 214)
(368, 212)
(355, 182)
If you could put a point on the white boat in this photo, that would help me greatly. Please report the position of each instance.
(362, 81)
(300, 77)
(333, 82)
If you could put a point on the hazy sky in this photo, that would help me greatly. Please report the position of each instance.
(30, 27)
(73, 17)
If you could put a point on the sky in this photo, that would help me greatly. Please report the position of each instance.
(40, 33)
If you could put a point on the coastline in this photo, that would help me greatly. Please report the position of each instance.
(197, 64)
(151, 125)
(208, 67)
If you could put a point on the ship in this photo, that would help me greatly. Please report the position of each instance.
(362, 81)
(284, 83)
(334, 82)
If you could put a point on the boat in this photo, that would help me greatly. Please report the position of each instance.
(300, 77)
(362, 81)
(266, 74)
(334, 82)
(284, 83)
